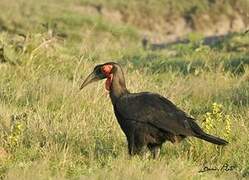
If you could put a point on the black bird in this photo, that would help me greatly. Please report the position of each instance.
(147, 119)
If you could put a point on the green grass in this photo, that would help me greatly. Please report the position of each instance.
(51, 130)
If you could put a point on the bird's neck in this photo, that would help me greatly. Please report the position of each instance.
(118, 86)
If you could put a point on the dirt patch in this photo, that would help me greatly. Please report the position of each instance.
(169, 28)
(176, 27)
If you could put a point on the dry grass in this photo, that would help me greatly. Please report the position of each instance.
(51, 130)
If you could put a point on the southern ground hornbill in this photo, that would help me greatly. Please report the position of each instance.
(147, 119)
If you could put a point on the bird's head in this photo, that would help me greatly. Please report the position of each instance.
(100, 72)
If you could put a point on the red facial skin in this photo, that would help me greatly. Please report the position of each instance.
(106, 70)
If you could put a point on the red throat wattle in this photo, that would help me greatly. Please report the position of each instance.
(106, 70)
(108, 82)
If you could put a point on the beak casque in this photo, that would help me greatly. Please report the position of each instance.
(90, 79)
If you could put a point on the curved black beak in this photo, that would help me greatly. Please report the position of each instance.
(90, 79)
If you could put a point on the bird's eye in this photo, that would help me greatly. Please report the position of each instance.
(98, 73)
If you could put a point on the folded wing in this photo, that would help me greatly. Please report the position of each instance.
(156, 111)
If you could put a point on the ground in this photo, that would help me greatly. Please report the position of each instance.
(51, 130)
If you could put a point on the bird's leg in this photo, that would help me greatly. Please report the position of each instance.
(131, 144)
(155, 150)
(136, 149)
(131, 149)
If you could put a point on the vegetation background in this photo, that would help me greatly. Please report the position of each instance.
(51, 130)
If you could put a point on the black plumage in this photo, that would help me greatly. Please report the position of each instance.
(147, 119)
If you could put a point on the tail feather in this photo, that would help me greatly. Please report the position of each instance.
(199, 133)
(212, 139)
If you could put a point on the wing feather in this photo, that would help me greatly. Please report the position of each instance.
(154, 110)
